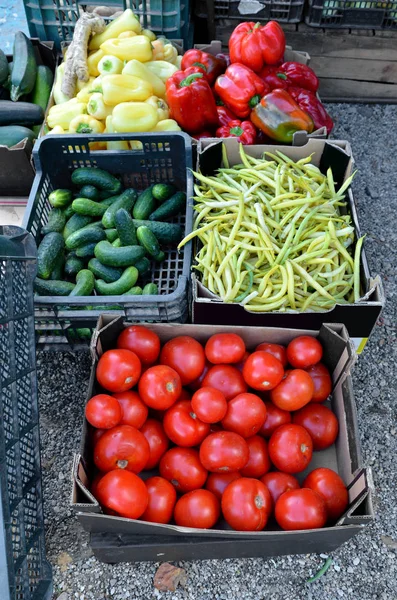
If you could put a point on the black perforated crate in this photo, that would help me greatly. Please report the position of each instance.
(24, 572)
(344, 14)
(285, 11)
(165, 157)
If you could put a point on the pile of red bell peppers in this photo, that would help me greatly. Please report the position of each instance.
(250, 94)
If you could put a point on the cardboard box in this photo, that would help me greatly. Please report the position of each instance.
(359, 318)
(344, 456)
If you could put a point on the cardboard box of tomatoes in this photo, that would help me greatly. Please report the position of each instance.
(118, 538)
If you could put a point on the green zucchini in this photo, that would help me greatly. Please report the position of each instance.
(99, 178)
(166, 233)
(68, 212)
(24, 70)
(42, 89)
(111, 235)
(48, 252)
(108, 274)
(13, 134)
(60, 198)
(170, 208)
(84, 283)
(56, 221)
(118, 257)
(125, 228)
(145, 204)
(52, 288)
(89, 208)
(86, 251)
(126, 200)
(163, 191)
(4, 72)
(122, 285)
(143, 266)
(84, 236)
(134, 291)
(89, 191)
(23, 113)
(75, 223)
(73, 265)
(7, 83)
(148, 240)
(150, 289)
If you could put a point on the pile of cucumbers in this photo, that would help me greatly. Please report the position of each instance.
(102, 240)
(25, 89)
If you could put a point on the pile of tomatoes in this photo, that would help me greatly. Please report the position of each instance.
(226, 430)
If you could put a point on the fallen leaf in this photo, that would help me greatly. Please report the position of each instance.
(168, 577)
(64, 559)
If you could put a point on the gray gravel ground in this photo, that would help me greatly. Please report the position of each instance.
(363, 568)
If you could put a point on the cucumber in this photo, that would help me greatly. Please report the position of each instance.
(89, 191)
(111, 235)
(104, 195)
(122, 285)
(163, 191)
(56, 221)
(84, 283)
(60, 198)
(109, 201)
(143, 266)
(24, 70)
(99, 178)
(108, 274)
(48, 253)
(13, 134)
(22, 113)
(145, 204)
(117, 243)
(150, 289)
(166, 233)
(118, 257)
(89, 208)
(75, 223)
(148, 240)
(125, 228)
(73, 265)
(57, 272)
(126, 200)
(3, 68)
(68, 212)
(134, 291)
(159, 257)
(86, 251)
(169, 208)
(42, 89)
(52, 288)
(84, 236)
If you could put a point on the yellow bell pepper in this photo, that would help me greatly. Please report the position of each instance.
(149, 34)
(97, 108)
(96, 85)
(62, 114)
(57, 130)
(110, 65)
(93, 61)
(134, 117)
(125, 22)
(138, 69)
(119, 145)
(86, 92)
(161, 106)
(97, 145)
(127, 34)
(178, 62)
(136, 145)
(164, 50)
(80, 85)
(125, 88)
(59, 96)
(167, 125)
(138, 47)
(86, 124)
(161, 68)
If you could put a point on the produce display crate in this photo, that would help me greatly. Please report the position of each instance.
(24, 572)
(284, 11)
(116, 539)
(56, 19)
(62, 322)
(344, 14)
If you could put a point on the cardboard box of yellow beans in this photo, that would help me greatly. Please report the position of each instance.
(309, 268)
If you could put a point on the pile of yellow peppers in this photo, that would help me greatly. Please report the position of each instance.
(128, 67)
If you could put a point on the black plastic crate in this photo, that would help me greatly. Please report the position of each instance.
(63, 322)
(344, 14)
(24, 572)
(285, 11)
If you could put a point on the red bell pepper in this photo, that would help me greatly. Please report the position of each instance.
(244, 131)
(225, 57)
(290, 74)
(257, 45)
(309, 102)
(225, 115)
(191, 101)
(202, 135)
(208, 64)
(240, 89)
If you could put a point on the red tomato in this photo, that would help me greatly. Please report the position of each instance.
(162, 498)
(122, 447)
(274, 418)
(304, 351)
(276, 350)
(197, 383)
(186, 356)
(182, 467)
(246, 504)
(118, 370)
(124, 493)
(183, 427)
(218, 482)
(300, 509)
(330, 486)
(245, 415)
(199, 509)
(209, 405)
(134, 411)
(225, 348)
(141, 340)
(322, 382)
(103, 411)
(290, 448)
(158, 442)
(226, 379)
(277, 483)
(160, 387)
(294, 391)
(320, 422)
(262, 371)
(240, 365)
(96, 435)
(224, 451)
(258, 462)
(94, 484)
(184, 395)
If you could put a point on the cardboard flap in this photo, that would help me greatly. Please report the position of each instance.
(359, 494)
(80, 488)
(339, 352)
